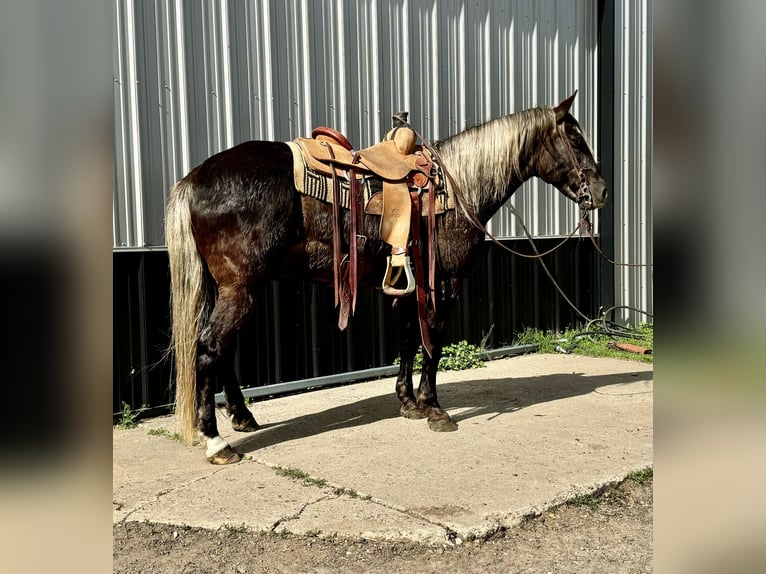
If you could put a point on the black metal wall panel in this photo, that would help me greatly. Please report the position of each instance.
(141, 286)
(294, 332)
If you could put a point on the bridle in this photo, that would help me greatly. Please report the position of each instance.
(582, 193)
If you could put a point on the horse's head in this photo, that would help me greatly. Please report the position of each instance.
(573, 169)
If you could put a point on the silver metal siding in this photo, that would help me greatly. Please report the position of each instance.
(194, 78)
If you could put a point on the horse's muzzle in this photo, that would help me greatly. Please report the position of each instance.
(592, 197)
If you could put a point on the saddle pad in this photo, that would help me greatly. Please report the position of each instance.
(319, 186)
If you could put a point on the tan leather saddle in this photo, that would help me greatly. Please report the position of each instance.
(406, 170)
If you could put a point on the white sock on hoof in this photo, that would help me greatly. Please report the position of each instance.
(214, 445)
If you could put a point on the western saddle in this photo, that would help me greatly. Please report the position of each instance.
(406, 171)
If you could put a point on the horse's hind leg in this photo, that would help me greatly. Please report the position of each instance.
(214, 348)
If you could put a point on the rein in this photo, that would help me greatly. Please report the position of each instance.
(585, 220)
(578, 197)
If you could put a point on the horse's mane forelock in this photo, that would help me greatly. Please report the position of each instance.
(484, 159)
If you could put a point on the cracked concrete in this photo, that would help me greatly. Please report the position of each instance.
(534, 431)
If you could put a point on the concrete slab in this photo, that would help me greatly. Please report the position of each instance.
(534, 431)
(250, 495)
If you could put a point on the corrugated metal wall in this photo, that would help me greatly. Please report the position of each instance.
(193, 78)
(632, 158)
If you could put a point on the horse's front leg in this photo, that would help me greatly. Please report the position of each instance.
(242, 419)
(428, 403)
(427, 400)
(409, 337)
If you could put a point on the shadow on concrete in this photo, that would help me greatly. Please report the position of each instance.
(480, 397)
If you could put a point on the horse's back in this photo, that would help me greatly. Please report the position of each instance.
(244, 208)
(238, 176)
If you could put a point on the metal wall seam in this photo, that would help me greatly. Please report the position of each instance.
(135, 215)
(182, 119)
(121, 174)
(633, 198)
(226, 79)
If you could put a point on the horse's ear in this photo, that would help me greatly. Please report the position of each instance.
(563, 108)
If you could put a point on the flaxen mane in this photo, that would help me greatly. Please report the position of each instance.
(487, 157)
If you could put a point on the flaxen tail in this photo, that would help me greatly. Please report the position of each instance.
(188, 305)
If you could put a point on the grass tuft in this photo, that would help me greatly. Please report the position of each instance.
(166, 433)
(642, 476)
(587, 500)
(232, 529)
(304, 477)
(128, 417)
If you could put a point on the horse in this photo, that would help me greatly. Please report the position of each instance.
(236, 221)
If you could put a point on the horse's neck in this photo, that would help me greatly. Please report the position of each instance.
(493, 199)
(490, 162)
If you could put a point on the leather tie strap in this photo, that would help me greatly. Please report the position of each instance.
(356, 242)
(336, 249)
(419, 279)
(431, 242)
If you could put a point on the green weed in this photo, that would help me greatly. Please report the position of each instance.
(587, 500)
(232, 529)
(642, 476)
(455, 357)
(164, 432)
(614, 491)
(127, 418)
(297, 474)
(350, 492)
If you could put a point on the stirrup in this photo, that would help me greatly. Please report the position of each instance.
(392, 277)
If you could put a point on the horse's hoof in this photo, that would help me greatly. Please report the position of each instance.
(225, 456)
(411, 411)
(442, 424)
(247, 425)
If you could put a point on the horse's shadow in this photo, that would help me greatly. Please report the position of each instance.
(479, 397)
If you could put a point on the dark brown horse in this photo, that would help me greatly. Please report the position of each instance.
(236, 222)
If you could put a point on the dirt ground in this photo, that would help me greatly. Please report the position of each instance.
(609, 533)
